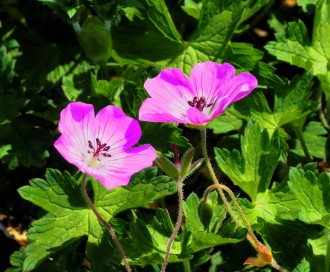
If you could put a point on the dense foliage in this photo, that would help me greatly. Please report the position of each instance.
(271, 148)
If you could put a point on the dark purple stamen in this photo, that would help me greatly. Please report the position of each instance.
(98, 151)
(200, 103)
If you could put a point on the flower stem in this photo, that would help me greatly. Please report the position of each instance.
(214, 177)
(186, 266)
(250, 236)
(177, 225)
(104, 222)
(254, 239)
(303, 144)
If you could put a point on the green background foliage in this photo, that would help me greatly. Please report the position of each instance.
(271, 148)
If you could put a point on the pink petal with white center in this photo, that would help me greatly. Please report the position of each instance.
(207, 77)
(196, 117)
(116, 129)
(237, 88)
(66, 146)
(155, 111)
(118, 169)
(77, 127)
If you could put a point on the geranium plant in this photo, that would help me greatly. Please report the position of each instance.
(164, 135)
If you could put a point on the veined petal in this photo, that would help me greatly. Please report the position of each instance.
(207, 77)
(117, 170)
(154, 111)
(77, 122)
(116, 129)
(211, 88)
(171, 85)
(238, 87)
(69, 151)
(102, 146)
(196, 117)
(219, 107)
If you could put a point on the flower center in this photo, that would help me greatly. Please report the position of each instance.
(199, 103)
(99, 150)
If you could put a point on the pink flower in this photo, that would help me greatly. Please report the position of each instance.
(101, 145)
(210, 90)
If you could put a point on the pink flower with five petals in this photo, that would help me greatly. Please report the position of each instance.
(102, 145)
(210, 89)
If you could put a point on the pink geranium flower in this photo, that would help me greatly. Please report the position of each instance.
(210, 90)
(101, 145)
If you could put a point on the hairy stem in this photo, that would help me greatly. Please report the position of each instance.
(214, 177)
(104, 222)
(239, 209)
(177, 224)
(220, 187)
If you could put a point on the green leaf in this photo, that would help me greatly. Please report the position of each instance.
(209, 41)
(225, 123)
(313, 194)
(148, 242)
(302, 266)
(109, 89)
(9, 51)
(201, 238)
(70, 218)
(288, 243)
(10, 106)
(190, 207)
(4, 150)
(74, 83)
(16, 260)
(31, 153)
(293, 103)
(192, 8)
(307, 5)
(315, 137)
(297, 49)
(252, 169)
(161, 18)
(256, 106)
(131, 99)
(95, 39)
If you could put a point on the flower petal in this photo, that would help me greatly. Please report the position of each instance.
(116, 129)
(207, 77)
(238, 88)
(117, 170)
(155, 111)
(77, 127)
(170, 85)
(67, 148)
(170, 92)
(196, 117)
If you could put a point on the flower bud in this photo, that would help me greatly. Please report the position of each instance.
(95, 39)
(195, 165)
(205, 212)
(167, 166)
(185, 163)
